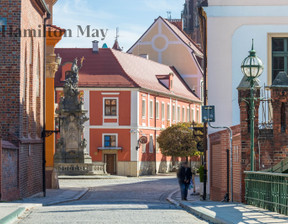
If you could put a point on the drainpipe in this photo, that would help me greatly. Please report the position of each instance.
(204, 23)
(155, 133)
(44, 106)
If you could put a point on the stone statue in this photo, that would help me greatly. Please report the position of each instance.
(71, 145)
(71, 156)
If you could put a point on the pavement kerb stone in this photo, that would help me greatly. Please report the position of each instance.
(202, 214)
(75, 198)
(195, 211)
(12, 217)
(93, 177)
(172, 201)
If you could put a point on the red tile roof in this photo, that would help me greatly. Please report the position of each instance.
(111, 68)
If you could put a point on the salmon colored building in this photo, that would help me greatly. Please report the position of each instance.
(127, 97)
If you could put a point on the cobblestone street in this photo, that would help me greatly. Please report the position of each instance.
(127, 200)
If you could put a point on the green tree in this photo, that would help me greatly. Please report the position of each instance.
(179, 140)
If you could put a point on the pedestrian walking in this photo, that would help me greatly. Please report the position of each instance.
(184, 175)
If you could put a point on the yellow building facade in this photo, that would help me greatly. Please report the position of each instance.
(53, 36)
(165, 43)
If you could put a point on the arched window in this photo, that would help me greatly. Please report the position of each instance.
(283, 118)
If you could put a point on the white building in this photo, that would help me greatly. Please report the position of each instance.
(231, 25)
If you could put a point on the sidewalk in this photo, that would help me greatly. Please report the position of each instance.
(10, 211)
(221, 212)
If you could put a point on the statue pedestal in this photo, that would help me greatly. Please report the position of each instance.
(87, 158)
(75, 169)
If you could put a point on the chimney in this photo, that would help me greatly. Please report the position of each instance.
(95, 46)
(171, 81)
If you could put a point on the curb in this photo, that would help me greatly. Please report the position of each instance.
(75, 198)
(91, 177)
(203, 215)
(195, 211)
(12, 217)
(172, 201)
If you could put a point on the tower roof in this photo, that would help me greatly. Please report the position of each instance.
(116, 46)
(245, 84)
(281, 80)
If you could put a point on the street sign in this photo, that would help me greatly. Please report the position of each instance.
(143, 140)
(208, 114)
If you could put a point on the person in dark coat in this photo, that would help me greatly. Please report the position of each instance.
(184, 175)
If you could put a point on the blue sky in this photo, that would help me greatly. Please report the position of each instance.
(133, 17)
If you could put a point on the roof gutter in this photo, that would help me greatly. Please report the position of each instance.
(44, 108)
(205, 137)
(45, 7)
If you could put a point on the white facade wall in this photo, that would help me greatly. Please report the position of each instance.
(231, 25)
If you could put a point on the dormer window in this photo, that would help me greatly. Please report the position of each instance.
(166, 80)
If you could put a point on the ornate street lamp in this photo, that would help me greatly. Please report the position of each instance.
(252, 67)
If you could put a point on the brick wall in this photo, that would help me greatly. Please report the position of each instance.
(21, 99)
(0, 167)
(30, 172)
(9, 171)
(10, 69)
(270, 145)
(9, 190)
(219, 143)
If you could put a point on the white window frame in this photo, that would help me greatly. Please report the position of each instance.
(143, 100)
(198, 116)
(117, 107)
(157, 109)
(188, 114)
(173, 112)
(151, 147)
(163, 111)
(193, 114)
(183, 114)
(103, 140)
(151, 109)
(178, 113)
(168, 112)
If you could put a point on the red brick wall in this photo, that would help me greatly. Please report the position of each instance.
(10, 69)
(30, 172)
(0, 167)
(21, 74)
(9, 174)
(219, 143)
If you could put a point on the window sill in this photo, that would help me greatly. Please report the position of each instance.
(110, 117)
(109, 148)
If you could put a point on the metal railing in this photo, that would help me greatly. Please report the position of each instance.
(267, 190)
